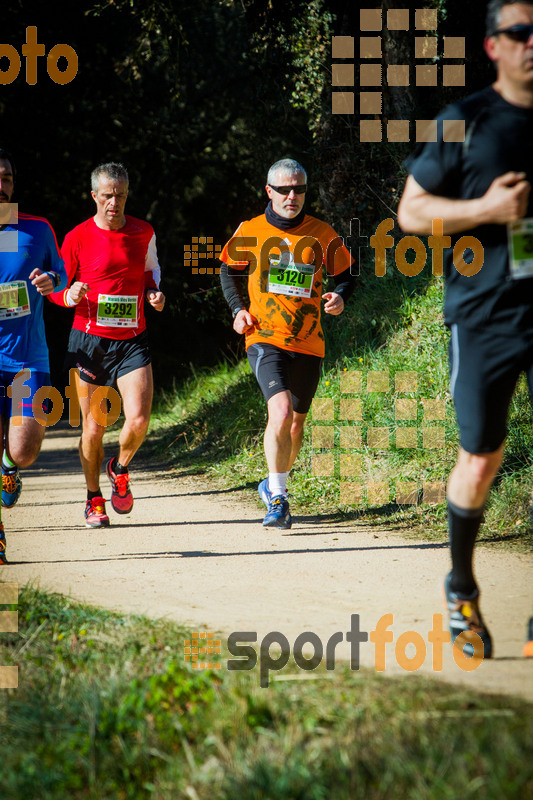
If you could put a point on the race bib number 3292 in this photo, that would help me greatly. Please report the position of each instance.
(117, 311)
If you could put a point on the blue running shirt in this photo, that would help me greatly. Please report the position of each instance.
(22, 337)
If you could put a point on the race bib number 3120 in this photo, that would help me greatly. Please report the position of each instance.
(291, 279)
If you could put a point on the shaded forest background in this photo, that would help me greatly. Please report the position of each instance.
(197, 99)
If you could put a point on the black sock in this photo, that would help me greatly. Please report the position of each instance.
(463, 526)
(118, 469)
(90, 494)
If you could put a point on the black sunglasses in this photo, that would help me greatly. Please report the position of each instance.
(518, 33)
(301, 189)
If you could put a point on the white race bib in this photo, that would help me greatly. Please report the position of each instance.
(287, 277)
(14, 300)
(117, 311)
(520, 238)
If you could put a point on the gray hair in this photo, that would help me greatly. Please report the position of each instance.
(494, 8)
(288, 166)
(112, 170)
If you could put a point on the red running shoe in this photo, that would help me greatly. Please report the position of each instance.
(121, 496)
(95, 516)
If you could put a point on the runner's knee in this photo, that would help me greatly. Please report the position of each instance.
(138, 423)
(480, 469)
(25, 453)
(280, 415)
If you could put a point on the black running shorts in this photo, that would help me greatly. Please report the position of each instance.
(279, 370)
(484, 369)
(101, 361)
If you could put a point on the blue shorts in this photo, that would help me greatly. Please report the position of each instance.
(21, 401)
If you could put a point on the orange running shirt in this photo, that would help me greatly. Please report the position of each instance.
(285, 279)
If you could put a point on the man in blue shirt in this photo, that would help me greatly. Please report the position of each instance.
(30, 268)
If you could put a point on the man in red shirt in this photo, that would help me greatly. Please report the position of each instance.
(112, 267)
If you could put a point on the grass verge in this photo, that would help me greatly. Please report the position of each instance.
(107, 708)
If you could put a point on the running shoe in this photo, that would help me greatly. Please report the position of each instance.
(121, 496)
(528, 647)
(278, 515)
(3, 559)
(264, 492)
(465, 617)
(11, 487)
(95, 516)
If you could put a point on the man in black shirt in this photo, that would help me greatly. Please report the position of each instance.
(481, 188)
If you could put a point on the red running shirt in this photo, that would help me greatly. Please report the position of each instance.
(118, 266)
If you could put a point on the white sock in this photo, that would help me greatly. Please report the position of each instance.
(6, 462)
(277, 483)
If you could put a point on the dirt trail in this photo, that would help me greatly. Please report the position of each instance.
(201, 556)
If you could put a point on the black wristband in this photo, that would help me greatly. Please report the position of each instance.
(56, 278)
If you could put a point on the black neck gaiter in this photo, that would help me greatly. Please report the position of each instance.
(281, 222)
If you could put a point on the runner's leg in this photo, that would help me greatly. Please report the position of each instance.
(297, 435)
(24, 441)
(277, 438)
(91, 447)
(468, 488)
(136, 389)
(472, 477)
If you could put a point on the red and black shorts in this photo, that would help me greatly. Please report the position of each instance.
(101, 361)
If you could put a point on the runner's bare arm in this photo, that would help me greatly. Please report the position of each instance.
(504, 201)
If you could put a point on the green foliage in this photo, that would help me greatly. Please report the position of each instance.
(135, 722)
(215, 422)
(103, 699)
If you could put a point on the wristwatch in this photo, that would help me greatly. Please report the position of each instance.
(236, 311)
(56, 278)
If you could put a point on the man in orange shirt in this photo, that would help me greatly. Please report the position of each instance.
(283, 252)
